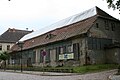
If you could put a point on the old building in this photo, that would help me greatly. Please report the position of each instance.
(91, 37)
(10, 37)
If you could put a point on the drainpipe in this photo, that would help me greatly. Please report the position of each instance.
(85, 51)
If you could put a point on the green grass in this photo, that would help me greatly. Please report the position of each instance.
(79, 69)
(94, 68)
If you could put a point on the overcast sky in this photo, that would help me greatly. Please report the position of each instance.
(36, 14)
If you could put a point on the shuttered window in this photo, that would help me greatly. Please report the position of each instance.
(48, 56)
(0, 47)
(41, 57)
(76, 51)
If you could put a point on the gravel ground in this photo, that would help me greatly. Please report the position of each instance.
(93, 76)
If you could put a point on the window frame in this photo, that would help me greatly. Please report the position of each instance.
(69, 48)
(113, 26)
(0, 46)
(61, 50)
(97, 25)
(106, 25)
(8, 47)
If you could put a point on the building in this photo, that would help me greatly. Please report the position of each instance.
(90, 37)
(10, 37)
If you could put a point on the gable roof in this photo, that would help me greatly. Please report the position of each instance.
(12, 35)
(59, 34)
(70, 20)
(64, 29)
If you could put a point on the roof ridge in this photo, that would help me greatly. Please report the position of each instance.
(101, 12)
(18, 29)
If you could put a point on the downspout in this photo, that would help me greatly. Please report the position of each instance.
(86, 49)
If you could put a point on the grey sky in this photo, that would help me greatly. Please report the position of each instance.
(36, 14)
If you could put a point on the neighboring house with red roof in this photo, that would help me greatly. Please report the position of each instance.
(10, 37)
(91, 37)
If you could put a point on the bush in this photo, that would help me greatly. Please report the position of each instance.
(118, 70)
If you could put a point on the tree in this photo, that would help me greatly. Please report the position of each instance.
(115, 4)
(3, 57)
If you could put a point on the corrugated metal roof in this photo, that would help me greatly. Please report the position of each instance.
(70, 20)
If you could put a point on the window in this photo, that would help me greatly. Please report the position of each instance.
(90, 43)
(94, 43)
(41, 56)
(0, 47)
(97, 25)
(69, 48)
(8, 47)
(33, 56)
(76, 51)
(98, 43)
(61, 50)
(106, 25)
(113, 26)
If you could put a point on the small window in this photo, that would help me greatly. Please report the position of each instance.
(0, 47)
(97, 25)
(106, 25)
(113, 26)
(8, 47)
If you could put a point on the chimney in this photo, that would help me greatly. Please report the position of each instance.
(32, 30)
(27, 29)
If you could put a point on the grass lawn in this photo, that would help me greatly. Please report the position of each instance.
(94, 68)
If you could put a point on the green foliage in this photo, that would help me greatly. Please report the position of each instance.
(115, 4)
(94, 68)
(118, 70)
(79, 69)
(4, 55)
